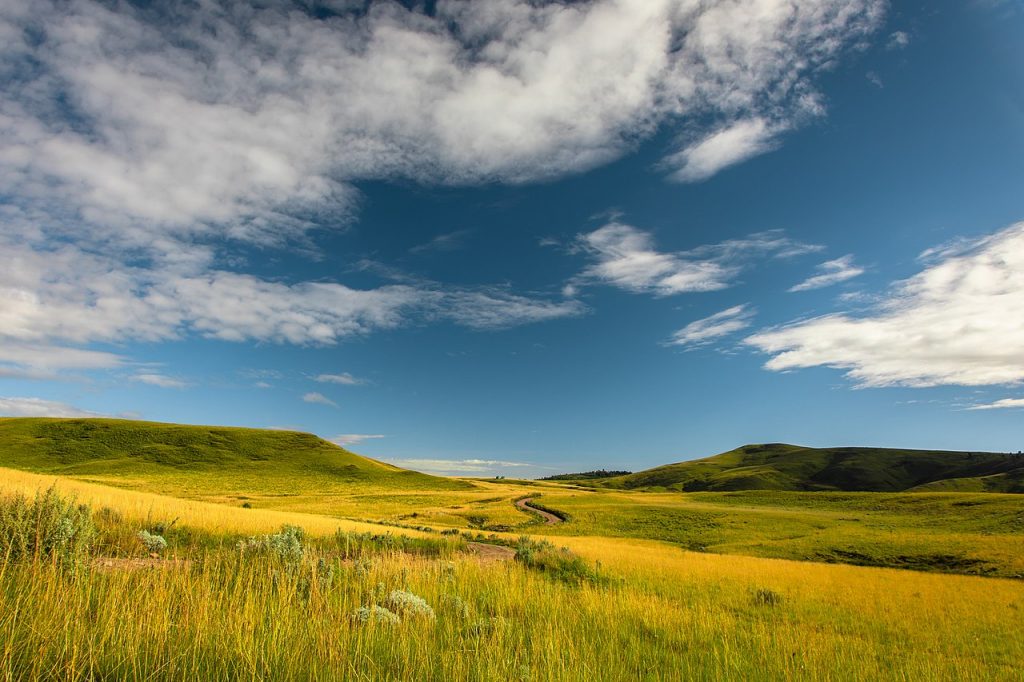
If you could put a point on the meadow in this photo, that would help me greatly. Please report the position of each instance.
(449, 580)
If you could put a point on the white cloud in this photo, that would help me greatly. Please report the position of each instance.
(829, 273)
(704, 331)
(250, 116)
(346, 439)
(37, 407)
(722, 148)
(627, 258)
(458, 466)
(345, 379)
(161, 380)
(960, 321)
(1004, 404)
(65, 294)
(898, 40)
(141, 142)
(318, 398)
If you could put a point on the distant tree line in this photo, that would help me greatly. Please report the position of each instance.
(600, 473)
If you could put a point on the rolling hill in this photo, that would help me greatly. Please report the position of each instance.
(197, 460)
(778, 466)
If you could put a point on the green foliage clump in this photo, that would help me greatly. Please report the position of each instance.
(46, 528)
(285, 546)
(560, 564)
(408, 604)
(154, 543)
(375, 614)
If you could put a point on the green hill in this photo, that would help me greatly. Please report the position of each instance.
(197, 460)
(778, 466)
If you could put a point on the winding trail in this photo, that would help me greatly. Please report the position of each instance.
(549, 518)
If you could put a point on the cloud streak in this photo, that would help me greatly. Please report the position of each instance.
(626, 257)
(704, 331)
(38, 407)
(960, 321)
(829, 273)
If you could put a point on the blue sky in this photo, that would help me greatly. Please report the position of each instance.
(518, 238)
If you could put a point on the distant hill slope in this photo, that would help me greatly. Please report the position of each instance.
(778, 466)
(195, 459)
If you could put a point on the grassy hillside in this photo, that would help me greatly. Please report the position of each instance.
(197, 460)
(778, 466)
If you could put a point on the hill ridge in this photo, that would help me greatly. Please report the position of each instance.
(783, 466)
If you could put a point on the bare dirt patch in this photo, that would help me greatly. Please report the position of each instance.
(138, 563)
(489, 554)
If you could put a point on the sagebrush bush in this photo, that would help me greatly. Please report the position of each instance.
(47, 528)
(285, 546)
(154, 544)
(374, 614)
(408, 604)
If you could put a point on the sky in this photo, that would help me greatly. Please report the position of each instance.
(519, 238)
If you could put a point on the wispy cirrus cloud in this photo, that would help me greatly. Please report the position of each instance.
(159, 380)
(626, 257)
(38, 407)
(1003, 404)
(829, 273)
(346, 439)
(459, 466)
(960, 321)
(343, 378)
(318, 399)
(709, 329)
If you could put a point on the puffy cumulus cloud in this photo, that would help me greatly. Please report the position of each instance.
(626, 257)
(829, 273)
(255, 118)
(38, 407)
(139, 142)
(704, 331)
(960, 321)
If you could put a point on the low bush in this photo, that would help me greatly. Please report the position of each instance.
(409, 605)
(154, 544)
(560, 564)
(46, 528)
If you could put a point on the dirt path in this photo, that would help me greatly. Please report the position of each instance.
(549, 518)
(489, 554)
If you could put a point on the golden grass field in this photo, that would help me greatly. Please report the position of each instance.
(659, 613)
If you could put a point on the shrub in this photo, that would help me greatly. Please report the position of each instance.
(285, 546)
(48, 527)
(454, 606)
(154, 544)
(374, 614)
(408, 604)
(561, 564)
(766, 597)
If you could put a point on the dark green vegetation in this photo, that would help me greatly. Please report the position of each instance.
(190, 459)
(777, 466)
(586, 475)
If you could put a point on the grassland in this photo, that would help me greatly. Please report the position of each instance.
(659, 585)
(657, 613)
